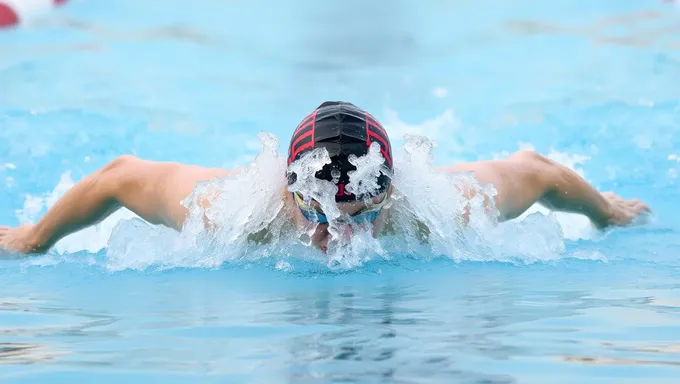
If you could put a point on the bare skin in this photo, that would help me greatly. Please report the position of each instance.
(154, 190)
(526, 178)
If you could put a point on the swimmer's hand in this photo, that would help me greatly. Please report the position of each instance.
(623, 212)
(16, 241)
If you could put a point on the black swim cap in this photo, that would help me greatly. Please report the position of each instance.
(343, 129)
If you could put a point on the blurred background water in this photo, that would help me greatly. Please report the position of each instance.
(591, 85)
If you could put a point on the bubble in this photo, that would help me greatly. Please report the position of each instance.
(364, 180)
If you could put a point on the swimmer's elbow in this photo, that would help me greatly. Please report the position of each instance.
(118, 176)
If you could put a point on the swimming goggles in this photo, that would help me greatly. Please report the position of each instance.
(313, 214)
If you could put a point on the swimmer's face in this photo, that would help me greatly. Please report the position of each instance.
(322, 236)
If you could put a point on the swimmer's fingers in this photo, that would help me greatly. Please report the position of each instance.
(4, 250)
(640, 212)
(639, 206)
(644, 209)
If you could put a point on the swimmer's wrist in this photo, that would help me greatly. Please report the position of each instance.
(606, 217)
(36, 241)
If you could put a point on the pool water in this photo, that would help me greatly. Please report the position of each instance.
(591, 85)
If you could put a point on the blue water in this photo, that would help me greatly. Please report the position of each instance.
(593, 85)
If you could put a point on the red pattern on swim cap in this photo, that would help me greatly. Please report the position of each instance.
(302, 132)
(376, 132)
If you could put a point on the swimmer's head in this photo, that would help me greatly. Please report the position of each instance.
(342, 129)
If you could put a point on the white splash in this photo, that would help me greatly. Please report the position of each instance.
(248, 221)
(363, 182)
(439, 128)
(226, 221)
(34, 205)
(433, 202)
(343, 251)
(574, 162)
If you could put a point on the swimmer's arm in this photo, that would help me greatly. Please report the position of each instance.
(541, 180)
(526, 178)
(564, 190)
(151, 190)
(126, 181)
(558, 189)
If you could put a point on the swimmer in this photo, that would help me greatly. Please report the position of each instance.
(153, 190)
